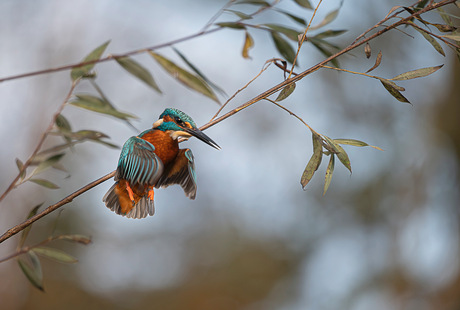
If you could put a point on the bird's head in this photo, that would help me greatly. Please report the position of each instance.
(180, 125)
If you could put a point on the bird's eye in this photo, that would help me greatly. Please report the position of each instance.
(179, 121)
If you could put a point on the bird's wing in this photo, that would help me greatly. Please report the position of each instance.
(182, 172)
(138, 163)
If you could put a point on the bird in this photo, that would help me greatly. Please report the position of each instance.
(151, 160)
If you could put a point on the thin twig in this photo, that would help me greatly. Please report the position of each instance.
(41, 141)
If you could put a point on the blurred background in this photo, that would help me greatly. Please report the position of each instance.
(385, 237)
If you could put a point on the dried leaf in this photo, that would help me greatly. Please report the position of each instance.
(33, 272)
(283, 47)
(454, 36)
(248, 44)
(26, 230)
(394, 92)
(288, 32)
(367, 50)
(329, 172)
(186, 78)
(84, 70)
(432, 41)
(340, 152)
(391, 83)
(304, 3)
(55, 254)
(45, 183)
(416, 73)
(314, 162)
(286, 92)
(20, 167)
(355, 142)
(99, 105)
(138, 71)
(378, 60)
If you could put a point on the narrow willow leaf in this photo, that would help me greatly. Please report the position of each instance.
(318, 44)
(293, 17)
(49, 162)
(422, 4)
(44, 183)
(340, 152)
(186, 78)
(233, 25)
(55, 254)
(394, 92)
(416, 73)
(254, 2)
(84, 70)
(444, 28)
(286, 92)
(240, 14)
(62, 123)
(283, 47)
(355, 142)
(288, 32)
(329, 33)
(329, 172)
(328, 19)
(20, 167)
(432, 41)
(26, 230)
(99, 105)
(248, 44)
(367, 50)
(445, 17)
(304, 3)
(313, 163)
(76, 238)
(199, 73)
(391, 83)
(33, 272)
(454, 36)
(378, 60)
(138, 71)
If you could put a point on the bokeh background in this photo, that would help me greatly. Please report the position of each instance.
(385, 237)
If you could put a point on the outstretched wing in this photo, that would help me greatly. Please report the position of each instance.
(182, 172)
(138, 164)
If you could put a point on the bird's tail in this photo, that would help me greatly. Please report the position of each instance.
(117, 199)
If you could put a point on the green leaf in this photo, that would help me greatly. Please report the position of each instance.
(76, 238)
(33, 271)
(378, 60)
(393, 91)
(445, 17)
(138, 71)
(432, 41)
(254, 2)
(293, 17)
(329, 33)
(239, 14)
(355, 142)
(329, 172)
(233, 25)
(288, 32)
(55, 254)
(45, 183)
(47, 163)
(283, 47)
(319, 45)
(286, 92)
(99, 105)
(304, 3)
(314, 162)
(20, 167)
(340, 152)
(26, 230)
(96, 54)
(199, 73)
(416, 73)
(248, 44)
(328, 19)
(186, 78)
(62, 123)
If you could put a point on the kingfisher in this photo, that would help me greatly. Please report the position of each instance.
(151, 160)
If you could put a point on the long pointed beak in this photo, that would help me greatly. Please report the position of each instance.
(200, 135)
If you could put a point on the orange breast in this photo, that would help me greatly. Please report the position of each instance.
(165, 147)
